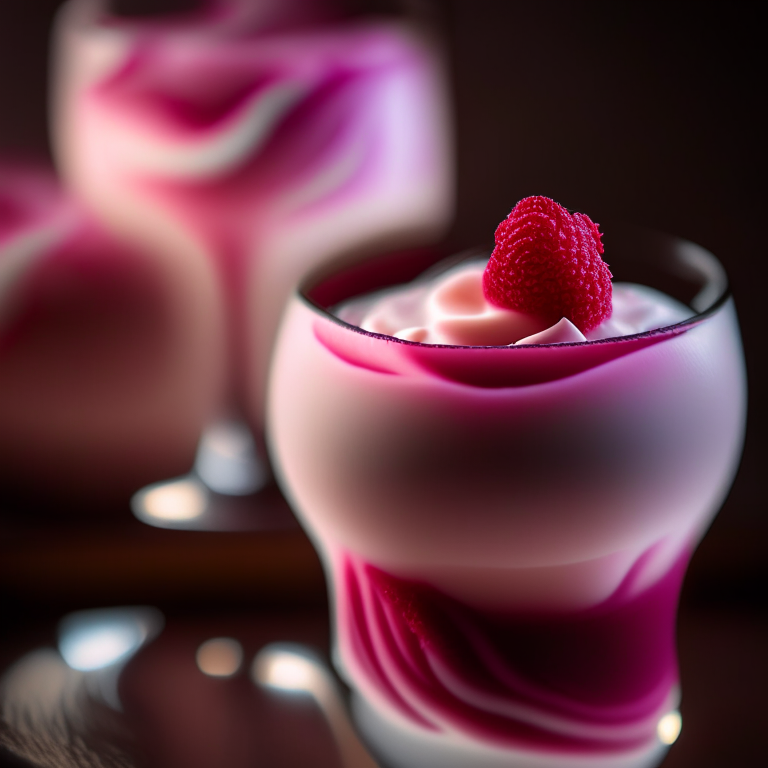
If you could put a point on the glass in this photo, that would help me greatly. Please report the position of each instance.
(241, 145)
(505, 529)
(100, 383)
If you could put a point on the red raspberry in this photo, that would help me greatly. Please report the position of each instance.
(547, 262)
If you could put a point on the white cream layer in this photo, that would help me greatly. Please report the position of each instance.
(451, 309)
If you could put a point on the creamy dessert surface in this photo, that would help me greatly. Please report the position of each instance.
(451, 309)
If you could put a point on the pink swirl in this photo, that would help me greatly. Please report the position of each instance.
(595, 680)
(97, 351)
(260, 153)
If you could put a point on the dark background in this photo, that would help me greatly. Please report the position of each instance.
(636, 112)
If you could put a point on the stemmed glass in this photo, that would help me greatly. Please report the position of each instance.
(242, 145)
(505, 529)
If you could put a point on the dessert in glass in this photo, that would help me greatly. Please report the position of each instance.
(105, 369)
(506, 466)
(245, 143)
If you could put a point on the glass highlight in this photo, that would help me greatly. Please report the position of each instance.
(220, 657)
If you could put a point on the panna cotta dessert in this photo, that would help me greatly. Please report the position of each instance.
(249, 141)
(505, 466)
(106, 373)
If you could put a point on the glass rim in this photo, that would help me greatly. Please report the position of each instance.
(713, 295)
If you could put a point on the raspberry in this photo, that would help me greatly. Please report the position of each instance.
(547, 262)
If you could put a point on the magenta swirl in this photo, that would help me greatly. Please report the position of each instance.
(591, 681)
(253, 150)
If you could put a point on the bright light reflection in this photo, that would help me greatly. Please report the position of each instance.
(279, 667)
(220, 657)
(227, 461)
(295, 668)
(91, 640)
(669, 727)
(99, 647)
(178, 500)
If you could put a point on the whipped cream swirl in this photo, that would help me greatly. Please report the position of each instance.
(451, 309)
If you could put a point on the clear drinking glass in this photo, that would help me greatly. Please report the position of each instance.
(505, 529)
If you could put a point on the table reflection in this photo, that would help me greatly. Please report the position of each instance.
(122, 691)
(255, 689)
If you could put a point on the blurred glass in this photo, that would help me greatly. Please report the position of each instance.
(104, 380)
(241, 145)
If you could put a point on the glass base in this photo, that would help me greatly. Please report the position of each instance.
(398, 746)
(186, 503)
(230, 489)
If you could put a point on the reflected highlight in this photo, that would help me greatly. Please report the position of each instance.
(174, 501)
(99, 647)
(287, 668)
(669, 727)
(227, 461)
(90, 640)
(295, 668)
(220, 657)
